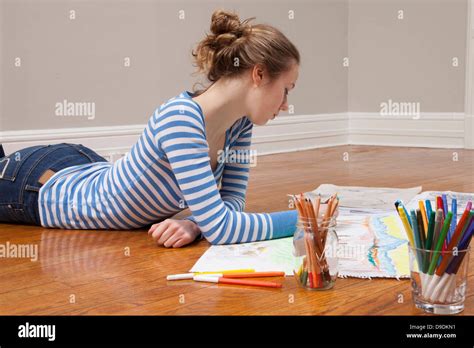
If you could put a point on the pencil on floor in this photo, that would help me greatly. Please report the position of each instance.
(222, 280)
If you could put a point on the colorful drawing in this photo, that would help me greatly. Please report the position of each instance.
(371, 245)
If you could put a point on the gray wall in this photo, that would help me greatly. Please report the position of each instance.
(407, 60)
(82, 59)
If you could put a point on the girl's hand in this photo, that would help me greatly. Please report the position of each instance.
(174, 233)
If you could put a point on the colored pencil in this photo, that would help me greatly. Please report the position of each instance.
(222, 280)
(315, 271)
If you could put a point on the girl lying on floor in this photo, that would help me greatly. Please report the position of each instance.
(179, 160)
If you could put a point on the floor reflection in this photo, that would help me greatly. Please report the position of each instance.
(86, 252)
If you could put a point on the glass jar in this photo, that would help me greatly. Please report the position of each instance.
(439, 292)
(315, 251)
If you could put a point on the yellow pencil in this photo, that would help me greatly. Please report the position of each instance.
(407, 226)
(423, 215)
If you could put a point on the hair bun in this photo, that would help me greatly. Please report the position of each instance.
(233, 46)
(224, 22)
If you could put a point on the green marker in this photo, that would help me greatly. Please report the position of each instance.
(418, 245)
(429, 242)
(439, 245)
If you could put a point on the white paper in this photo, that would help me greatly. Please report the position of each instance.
(461, 197)
(377, 198)
(272, 255)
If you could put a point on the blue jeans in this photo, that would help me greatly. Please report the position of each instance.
(21, 171)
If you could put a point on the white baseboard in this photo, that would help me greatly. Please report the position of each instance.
(303, 132)
(284, 134)
(435, 130)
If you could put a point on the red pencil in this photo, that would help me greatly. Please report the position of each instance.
(211, 279)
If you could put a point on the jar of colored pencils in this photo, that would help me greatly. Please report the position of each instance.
(315, 245)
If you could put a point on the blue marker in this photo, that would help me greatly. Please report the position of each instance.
(428, 208)
(454, 209)
(445, 205)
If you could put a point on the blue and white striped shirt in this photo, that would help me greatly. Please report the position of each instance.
(166, 171)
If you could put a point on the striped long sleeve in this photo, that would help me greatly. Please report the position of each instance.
(181, 137)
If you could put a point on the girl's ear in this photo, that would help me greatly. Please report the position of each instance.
(258, 72)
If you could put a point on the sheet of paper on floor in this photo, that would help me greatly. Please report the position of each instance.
(461, 197)
(378, 198)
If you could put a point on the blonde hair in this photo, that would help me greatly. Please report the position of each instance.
(234, 46)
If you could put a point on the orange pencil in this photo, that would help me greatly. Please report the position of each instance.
(211, 279)
(312, 262)
(254, 275)
(317, 281)
(316, 205)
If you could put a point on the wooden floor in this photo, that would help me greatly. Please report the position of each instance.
(91, 269)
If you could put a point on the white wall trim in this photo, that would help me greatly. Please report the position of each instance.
(284, 134)
(301, 132)
(437, 130)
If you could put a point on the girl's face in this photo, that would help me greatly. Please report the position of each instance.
(270, 97)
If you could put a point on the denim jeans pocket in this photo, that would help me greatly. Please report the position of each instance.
(11, 165)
